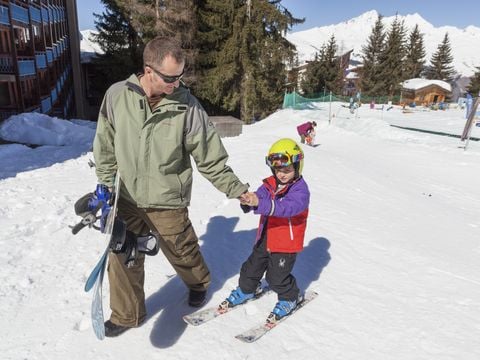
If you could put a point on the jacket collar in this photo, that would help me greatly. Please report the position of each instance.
(271, 184)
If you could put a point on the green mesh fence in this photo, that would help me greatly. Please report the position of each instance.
(294, 100)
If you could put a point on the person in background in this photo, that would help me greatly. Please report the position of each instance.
(149, 129)
(305, 129)
(282, 202)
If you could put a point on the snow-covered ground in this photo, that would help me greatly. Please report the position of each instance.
(392, 246)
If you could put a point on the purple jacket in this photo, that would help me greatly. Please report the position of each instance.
(304, 129)
(286, 211)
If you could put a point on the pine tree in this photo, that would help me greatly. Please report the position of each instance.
(121, 45)
(441, 63)
(415, 57)
(312, 82)
(333, 75)
(474, 86)
(236, 49)
(214, 19)
(172, 18)
(324, 72)
(246, 69)
(391, 60)
(370, 81)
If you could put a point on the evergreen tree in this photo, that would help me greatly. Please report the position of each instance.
(245, 71)
(214, 19)
(121, 45)
(324, 72)
(236, 49)
(441, 63)
(474, 86)
(370, 81)
(391, 60)
(415, 57)
(312, 82)
(172, 18)
(333, 74)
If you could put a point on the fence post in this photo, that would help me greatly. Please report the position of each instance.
(469, 124)
(330, 109)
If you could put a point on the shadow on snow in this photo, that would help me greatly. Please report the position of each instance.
(224, 251)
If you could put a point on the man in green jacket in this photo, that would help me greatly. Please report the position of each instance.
(149, 128)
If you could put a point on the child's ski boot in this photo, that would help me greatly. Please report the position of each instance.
(283, 308)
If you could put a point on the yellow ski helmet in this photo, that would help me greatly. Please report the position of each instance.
(285, 152)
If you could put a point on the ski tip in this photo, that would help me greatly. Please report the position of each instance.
(245, 339)
(193, 322)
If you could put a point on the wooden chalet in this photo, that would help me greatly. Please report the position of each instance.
(425, 92)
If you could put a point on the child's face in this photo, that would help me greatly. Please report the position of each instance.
(285, 174)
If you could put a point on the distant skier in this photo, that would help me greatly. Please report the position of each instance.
(282, 203)
(307, 132)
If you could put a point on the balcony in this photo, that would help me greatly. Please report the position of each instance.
(54, 95)
(26, 67)
(4, 16)
(41, 60)
(19, 14)
(6, 64)
(35, 14)
(45, 17)
(46, 105)
(49, 56)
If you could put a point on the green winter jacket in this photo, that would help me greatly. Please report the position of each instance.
(152, 150)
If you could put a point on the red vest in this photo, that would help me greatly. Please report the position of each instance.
(284, 235)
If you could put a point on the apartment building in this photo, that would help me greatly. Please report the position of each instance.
(39, 58)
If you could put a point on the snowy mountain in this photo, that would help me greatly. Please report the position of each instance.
(88, 46)
(391, 246)
(353, 34)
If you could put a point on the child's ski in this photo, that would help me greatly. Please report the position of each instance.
(96, 277)
(256, 332)
(202, 316)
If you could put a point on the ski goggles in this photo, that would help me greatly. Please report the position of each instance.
(169, 79)
(282, 160)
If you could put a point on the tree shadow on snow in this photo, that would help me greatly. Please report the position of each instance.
(224, 251)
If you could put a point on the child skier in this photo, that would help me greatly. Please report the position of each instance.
(307, 132)
(282, 203)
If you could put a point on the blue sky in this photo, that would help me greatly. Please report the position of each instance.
(320, 13)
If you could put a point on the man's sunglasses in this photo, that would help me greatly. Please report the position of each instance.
(167, 78)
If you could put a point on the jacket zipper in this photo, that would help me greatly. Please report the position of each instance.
(291, 229)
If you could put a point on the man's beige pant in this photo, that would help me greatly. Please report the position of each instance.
(179, 244)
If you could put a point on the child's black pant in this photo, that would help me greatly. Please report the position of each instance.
(277, 268)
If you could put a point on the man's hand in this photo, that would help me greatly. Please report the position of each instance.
(249, 198)
(243, 198)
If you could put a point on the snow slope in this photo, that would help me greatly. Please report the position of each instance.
(392, 248)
